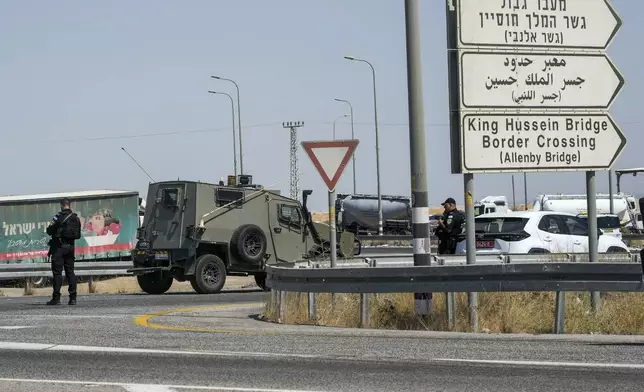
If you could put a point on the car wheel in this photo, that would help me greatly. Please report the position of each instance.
(155, 283)
(210, 275)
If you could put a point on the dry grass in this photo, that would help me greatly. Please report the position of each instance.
(28, 290)
(533, 313)
(128, 285)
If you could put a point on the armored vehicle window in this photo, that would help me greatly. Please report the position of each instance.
(170, 197)
(289, 214)
(225, 196)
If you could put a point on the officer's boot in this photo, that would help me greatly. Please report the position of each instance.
(58, 283)
(72, 289)
(55, 300)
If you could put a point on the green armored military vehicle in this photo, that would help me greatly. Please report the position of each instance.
(203, 232)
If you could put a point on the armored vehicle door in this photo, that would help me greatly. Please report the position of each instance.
(166, 224)
(287, 230)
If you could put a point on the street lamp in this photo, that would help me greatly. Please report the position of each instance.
(375, 114)
(241, 151)
(334, 121)
(353, 156)
(232, 110)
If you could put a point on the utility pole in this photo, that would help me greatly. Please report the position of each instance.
(294, 178)
(334, 121)
(239, 123)
(375, 115)
(353, 156)
(232, 108)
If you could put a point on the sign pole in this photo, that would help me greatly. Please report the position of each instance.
(330, 157)
(470, 241)
(332, 229)
(591, 201)
(418, 160)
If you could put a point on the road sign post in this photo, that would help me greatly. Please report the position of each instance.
(330, 158)
(531, 87)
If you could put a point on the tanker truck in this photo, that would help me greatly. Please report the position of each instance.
(629, 217)
(358, 214)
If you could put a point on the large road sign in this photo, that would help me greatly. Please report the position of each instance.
(583, 24)
(531, 59)
(534, 142)
(528, 80)
(330, 157)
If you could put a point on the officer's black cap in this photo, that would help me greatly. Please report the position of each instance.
(65, 202)
(448, 200)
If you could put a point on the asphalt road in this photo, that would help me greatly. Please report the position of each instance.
(215, 341)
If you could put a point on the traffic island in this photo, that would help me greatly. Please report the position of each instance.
(533, 313)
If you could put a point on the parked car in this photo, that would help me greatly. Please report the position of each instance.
(523, 232)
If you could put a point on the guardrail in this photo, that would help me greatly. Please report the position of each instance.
(90, 269)
(493, 273)
(406, 259)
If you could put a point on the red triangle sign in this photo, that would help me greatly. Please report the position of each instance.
(330, 158)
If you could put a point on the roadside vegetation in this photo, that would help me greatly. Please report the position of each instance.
(532, 313)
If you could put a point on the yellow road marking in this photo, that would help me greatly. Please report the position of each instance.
(144, 320)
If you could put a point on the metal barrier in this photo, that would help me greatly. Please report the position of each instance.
(461, 278)
(406, 260)
(621, 272)
(91, 268)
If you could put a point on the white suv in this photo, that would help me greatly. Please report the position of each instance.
(521, 232)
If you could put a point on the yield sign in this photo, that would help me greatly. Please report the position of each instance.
(330, 158)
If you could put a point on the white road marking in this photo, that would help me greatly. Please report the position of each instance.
(149, 387)
(121, 350)
(17, 326)
(544, 363)
(68, 316)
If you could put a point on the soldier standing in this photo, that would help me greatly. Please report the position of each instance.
(64, 230)
(449, 226)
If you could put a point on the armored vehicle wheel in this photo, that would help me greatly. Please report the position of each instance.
(260, 280)
(155, 283)
(249, 244)
(210, 275)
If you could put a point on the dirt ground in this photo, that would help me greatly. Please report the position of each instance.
(127, 285)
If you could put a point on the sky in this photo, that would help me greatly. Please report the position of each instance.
(79, 80)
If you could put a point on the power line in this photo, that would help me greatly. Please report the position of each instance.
(213, 130)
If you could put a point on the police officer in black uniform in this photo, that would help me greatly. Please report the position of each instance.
(64, 230)
(449, 226)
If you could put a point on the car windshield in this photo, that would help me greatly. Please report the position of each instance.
(606, 222)
(499, 225)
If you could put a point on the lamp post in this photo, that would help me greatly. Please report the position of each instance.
(232, 110)
(239, 126)
(353, 156)
(375, 114)
(334, 121)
